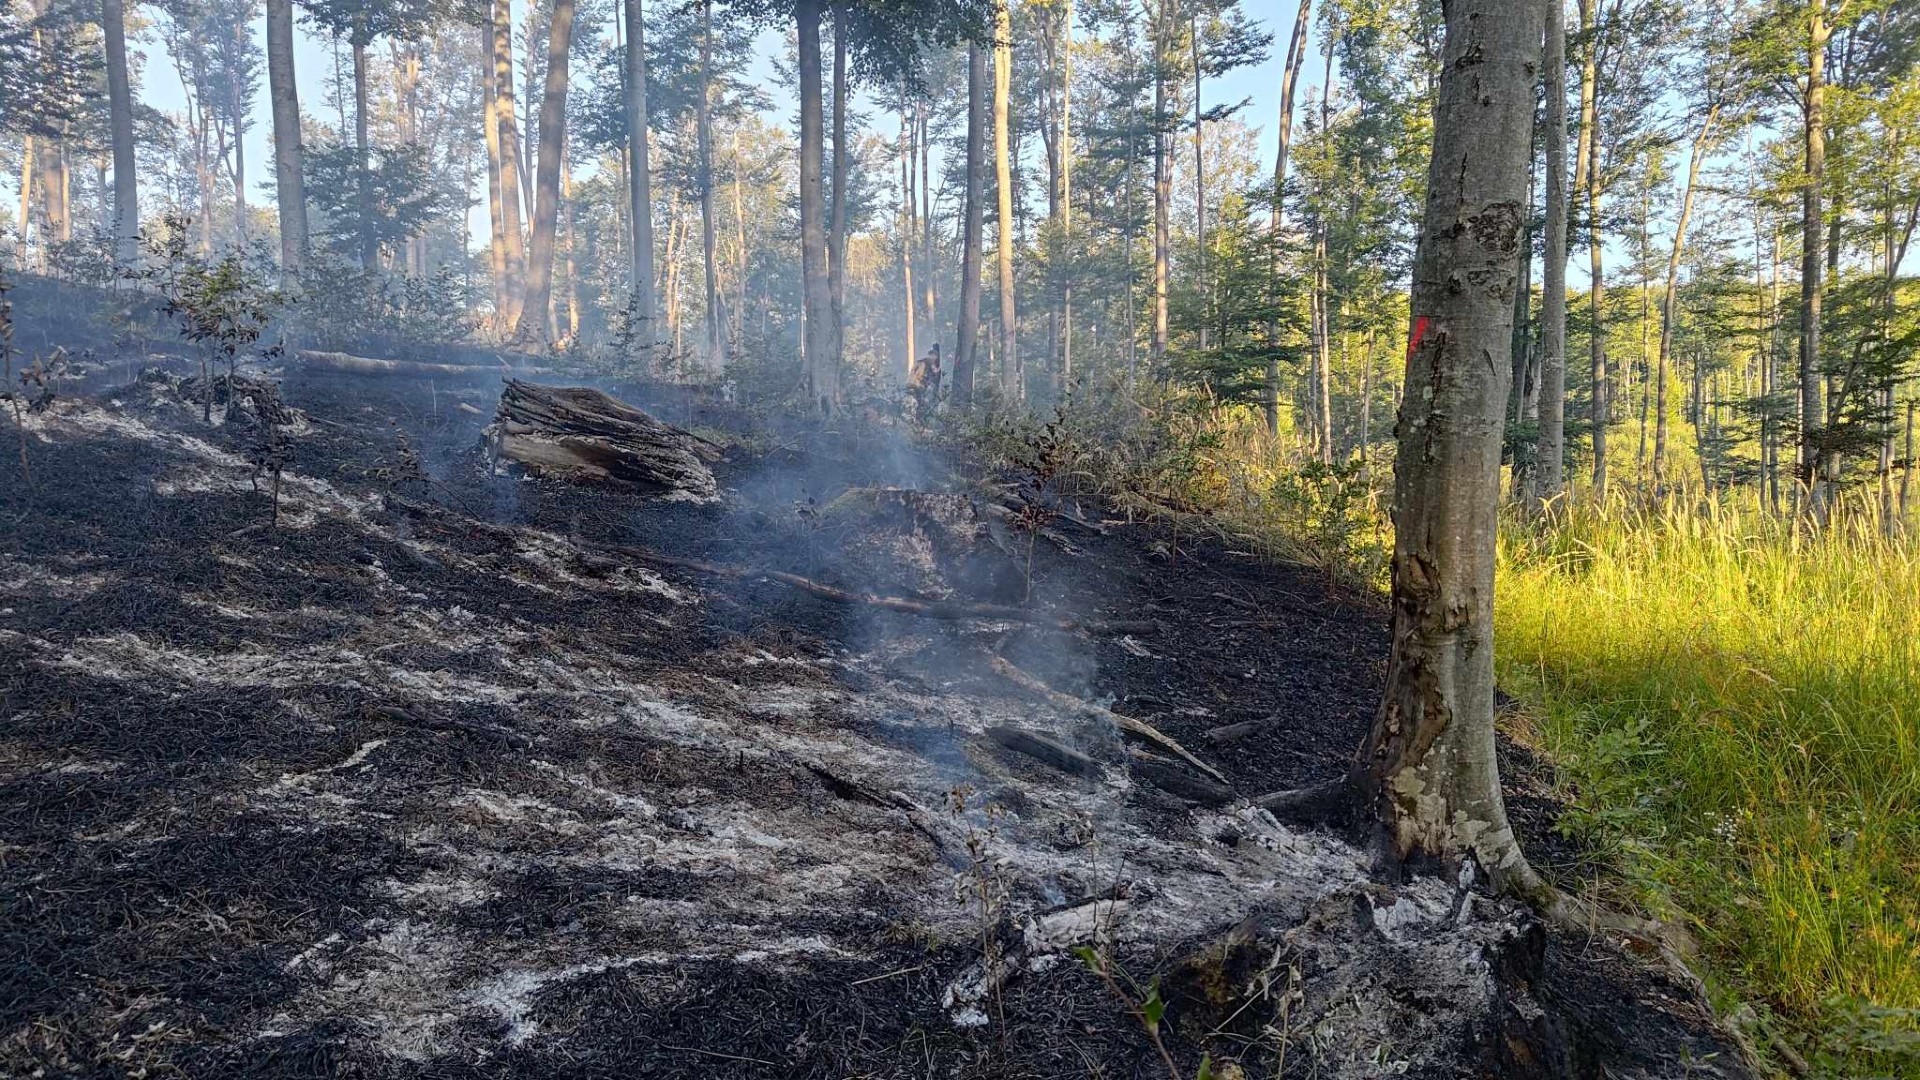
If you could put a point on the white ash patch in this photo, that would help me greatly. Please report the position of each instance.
(35, 580)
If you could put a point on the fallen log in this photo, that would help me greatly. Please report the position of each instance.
(1174, 780)
(367, 365)
(1041, 748)
(1139, 730)
(585, 436)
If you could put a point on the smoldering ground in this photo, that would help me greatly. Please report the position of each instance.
(429, 780)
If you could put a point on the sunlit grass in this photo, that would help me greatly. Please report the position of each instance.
(1736, 706)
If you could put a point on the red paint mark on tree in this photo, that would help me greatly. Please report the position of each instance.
(1419, 335)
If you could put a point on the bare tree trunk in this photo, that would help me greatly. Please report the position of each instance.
(369, 245)
(1550, 467)
(639, 171)
(837, 221)
(967, 348)
(1429, 767)
(823, 375)
(1597, 341)
(1702, 146)
(1289, 80)
(289, 184)
(1814, 468)
(1066, 200)
(1006, 235)
(503, 279)
(716, 333)
(1323, 350)
(533, 329)
(1162, 179)
(507, 136)
(126, 196)
(1906, 472)
(1199, 184)
(904, 146)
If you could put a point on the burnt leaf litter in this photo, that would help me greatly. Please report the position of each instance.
(419, 780)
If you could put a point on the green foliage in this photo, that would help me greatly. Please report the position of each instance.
(392, 198)
(339, 305)
(1733, 708)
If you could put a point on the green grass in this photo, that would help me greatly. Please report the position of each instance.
(1735, 707)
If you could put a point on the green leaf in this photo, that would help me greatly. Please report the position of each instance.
(1153, 1009)
(1206, 1068)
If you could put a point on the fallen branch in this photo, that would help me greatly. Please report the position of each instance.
(1138, 729)
(1042, 748)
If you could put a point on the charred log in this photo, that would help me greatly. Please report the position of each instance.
(585, 436)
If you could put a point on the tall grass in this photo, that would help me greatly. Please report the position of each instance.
(1736, 706)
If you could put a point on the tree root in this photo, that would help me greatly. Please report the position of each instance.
(1139, 730)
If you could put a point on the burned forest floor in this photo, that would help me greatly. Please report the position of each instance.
(452, 772)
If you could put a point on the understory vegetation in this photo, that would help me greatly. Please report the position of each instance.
(1727, 698)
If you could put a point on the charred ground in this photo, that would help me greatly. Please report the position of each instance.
(431, 779)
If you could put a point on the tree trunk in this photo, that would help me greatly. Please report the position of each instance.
(289, 182)
(1813, 458)
(904, 146)
(1702, 145)
(1066, 200)
(1006, 236)
(639, 173)
(507, 135)
(503, 277)
(823, 374)
(1429, 766)
(1162, 180)
(1550, 476)
(369, 245)
(1199, 185)
(1597, 341)
(837, 221)
(966, 348)
(533, 329)
(716, 335)
(1289, 79)
(1323, 350)
(126, 196)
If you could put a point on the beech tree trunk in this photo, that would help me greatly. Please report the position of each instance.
(1010, 374)
(1549, 469)
(966, 348)
(496, 208)
(639, 173)
(1428, 767)
(1289, 80)
(126, 196)
(362, 145)
(534, 328)
(823, 374)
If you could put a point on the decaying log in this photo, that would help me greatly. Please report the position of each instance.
(1226, 734)
(1138, 730)
(367, 365)
(1042, 748)
(583, 435)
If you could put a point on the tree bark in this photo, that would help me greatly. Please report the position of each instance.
(823, 373)
(534, 329)
(716, 334)
(1012, 383)
(362, 145)
(507, 135)
(837, 219)
(1428, 768)
(126, 196)
(966, 348)
(1289, 80)
(496, 207)
(904, 146)
(1162, 180)
(1550, 477)
(639, 172)
(1813, 458)
(289, 182)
